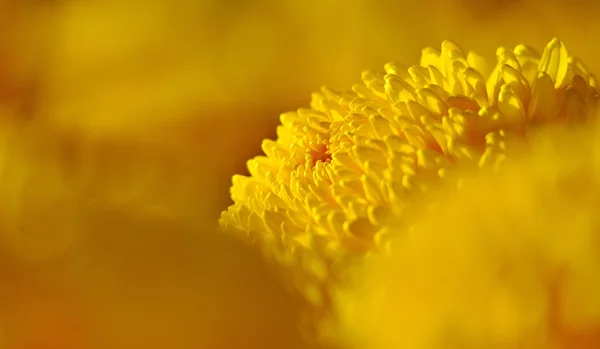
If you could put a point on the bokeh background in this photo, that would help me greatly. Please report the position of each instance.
(123, 121)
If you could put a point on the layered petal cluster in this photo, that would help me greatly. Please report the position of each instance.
(511, 262)
(341, 170)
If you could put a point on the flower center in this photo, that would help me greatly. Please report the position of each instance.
(320, 153)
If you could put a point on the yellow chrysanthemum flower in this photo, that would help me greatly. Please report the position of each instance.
(512, 261)
(339, 171)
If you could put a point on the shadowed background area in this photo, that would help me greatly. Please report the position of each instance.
(123, 122)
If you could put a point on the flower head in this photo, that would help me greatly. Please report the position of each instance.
(340, 170)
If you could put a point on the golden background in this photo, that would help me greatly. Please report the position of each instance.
(123, 121)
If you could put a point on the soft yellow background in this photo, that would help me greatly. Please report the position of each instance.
(150, 106)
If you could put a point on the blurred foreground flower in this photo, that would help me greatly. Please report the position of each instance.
(512, 260)
(341, 171)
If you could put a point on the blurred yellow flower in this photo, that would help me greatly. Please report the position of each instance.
(512, 259)
(340, 171)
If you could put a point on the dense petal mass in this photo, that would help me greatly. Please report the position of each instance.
(339, 171)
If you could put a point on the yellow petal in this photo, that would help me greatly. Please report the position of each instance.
(544, 105)
(554, 62)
